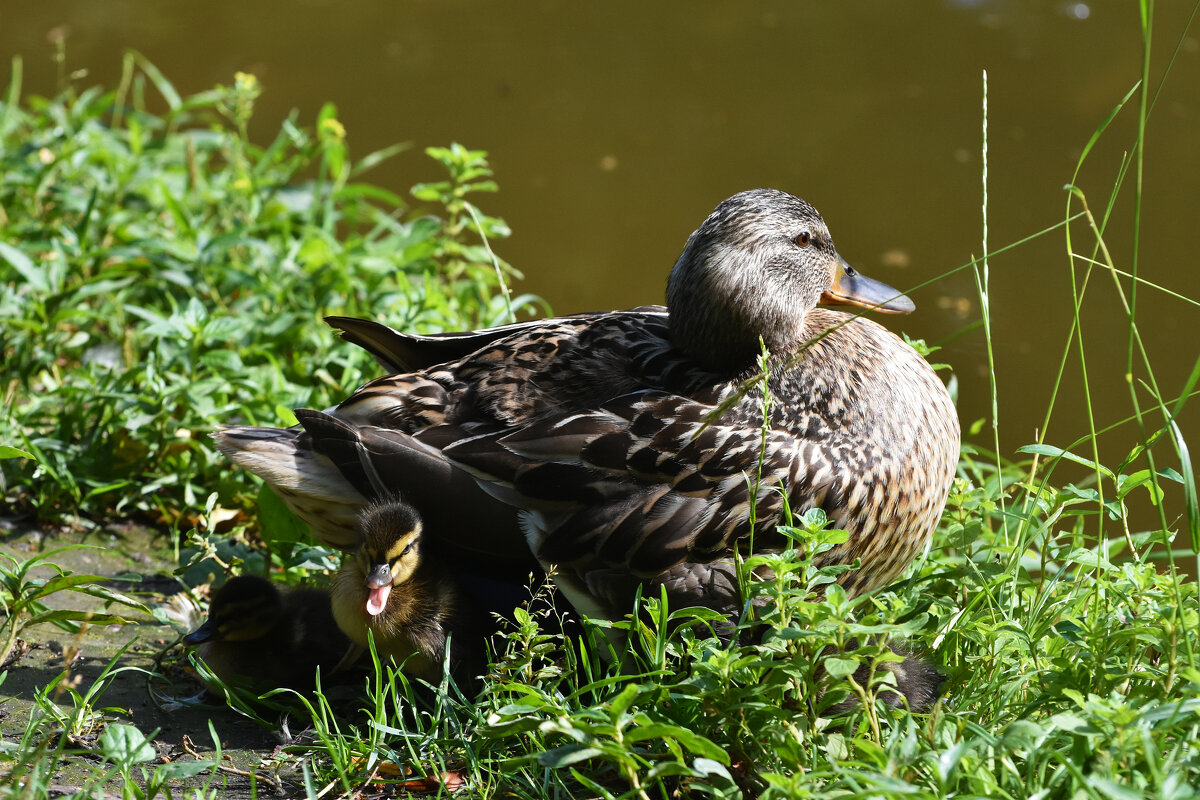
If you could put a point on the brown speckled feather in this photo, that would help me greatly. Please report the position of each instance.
(593, 441)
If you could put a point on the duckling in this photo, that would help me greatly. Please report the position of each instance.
(918, 685)
(613, 449)
(405, 597)
(262, 638)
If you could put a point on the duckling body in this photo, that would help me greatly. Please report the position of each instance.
(395, 589)
(262, 638)
(627, 448)
(914, 684)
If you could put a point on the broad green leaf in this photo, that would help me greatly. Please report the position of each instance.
(1022, 734)
(111, 595)
(693, 741)
(182, 769)
(23, 264)
(621, 703)
(125, 744)
(840, 667)
(59, 616)
(1127, 483)
(1088, 558)
(707, 766)
(1073, 724)
(949, 759)
(1113, 790)
(278, 522)
(568, 754)
(1058, 452)
(67, 581)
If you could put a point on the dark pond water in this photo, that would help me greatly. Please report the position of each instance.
(614, 128)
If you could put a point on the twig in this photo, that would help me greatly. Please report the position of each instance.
(186, 743)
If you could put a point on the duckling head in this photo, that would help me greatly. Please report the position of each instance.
(390, 552)
(390, 592)
(388, 585)
(244, 609)
(754, 269)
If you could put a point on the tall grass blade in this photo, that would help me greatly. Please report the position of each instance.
(12, 98)
(164, 86)
(1189, 487)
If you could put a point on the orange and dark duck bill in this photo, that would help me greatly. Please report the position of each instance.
(851, 288)
(379, 586)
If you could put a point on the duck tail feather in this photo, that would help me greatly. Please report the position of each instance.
(400, 352)
(307, 482)
(383, 463)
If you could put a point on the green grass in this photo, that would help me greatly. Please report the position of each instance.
(138, 244)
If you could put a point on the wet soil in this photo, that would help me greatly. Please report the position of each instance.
(156, 692)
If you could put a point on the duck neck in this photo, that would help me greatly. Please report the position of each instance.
(727, 345)
(721, 317)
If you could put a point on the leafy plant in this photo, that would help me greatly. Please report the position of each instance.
(161, 274)
(23, 597)
(58, 732)
(129, 750)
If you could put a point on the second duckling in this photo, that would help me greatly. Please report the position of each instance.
(406, 598)
(261, 637)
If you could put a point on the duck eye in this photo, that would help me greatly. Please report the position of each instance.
(408, 549)
(803, 239)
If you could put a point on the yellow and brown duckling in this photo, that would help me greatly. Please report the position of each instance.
(615, 449)
(261, 637)
(411, 604)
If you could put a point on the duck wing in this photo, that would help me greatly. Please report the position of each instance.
(643, 484)
(638, 493)
(542, 370)
(383, 462)
(397, 351)
(403, 421)
(306, 481)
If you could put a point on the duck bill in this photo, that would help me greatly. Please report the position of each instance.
(379, 588)
(850, 288)
(205, 633)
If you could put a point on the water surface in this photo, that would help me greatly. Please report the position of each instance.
(615, 128)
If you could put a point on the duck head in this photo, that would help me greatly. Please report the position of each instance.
(761, 261)
(244, 609)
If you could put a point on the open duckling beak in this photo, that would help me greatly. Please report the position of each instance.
(850, 288)
(379, 587)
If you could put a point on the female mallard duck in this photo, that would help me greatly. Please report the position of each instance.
(408, 601)
(628, 448)
(262, 638)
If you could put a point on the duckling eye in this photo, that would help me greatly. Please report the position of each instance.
(803, 239)
(408, 549)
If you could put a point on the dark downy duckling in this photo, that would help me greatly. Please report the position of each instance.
(261, 637)
(402, 594)
(917, 684)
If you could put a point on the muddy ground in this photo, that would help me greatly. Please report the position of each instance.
(172, 707)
